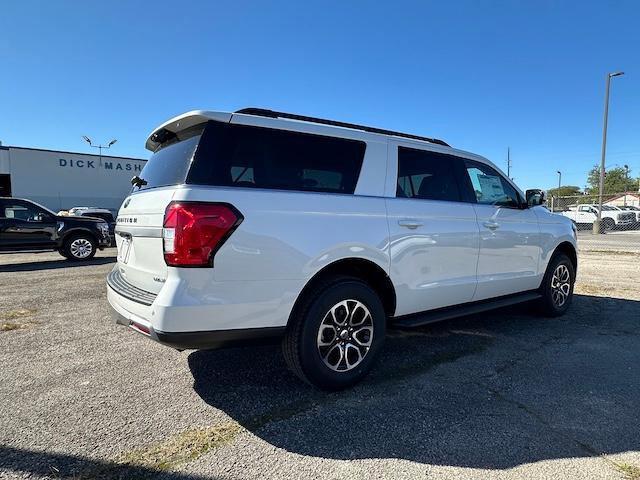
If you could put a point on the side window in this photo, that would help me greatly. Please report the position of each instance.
(426, 175)
(490, 187)
(20, 211)
(246, 156)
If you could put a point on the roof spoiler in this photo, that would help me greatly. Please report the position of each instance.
(169, 129)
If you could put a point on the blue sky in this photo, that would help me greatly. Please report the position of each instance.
(481, 75)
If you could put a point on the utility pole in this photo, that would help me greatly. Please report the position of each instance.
(509, 162)
(626, 183)
(596, 224)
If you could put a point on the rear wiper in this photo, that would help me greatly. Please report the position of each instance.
(136, 181)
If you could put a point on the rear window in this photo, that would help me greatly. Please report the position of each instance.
(170, 164)
(254, 157)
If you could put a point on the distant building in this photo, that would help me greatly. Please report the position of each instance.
(61, 180)
(628, 199)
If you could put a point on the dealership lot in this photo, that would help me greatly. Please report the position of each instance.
(498, 395)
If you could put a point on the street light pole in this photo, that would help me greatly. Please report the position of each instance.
(558, 191)
(99, 147)
(596, 224)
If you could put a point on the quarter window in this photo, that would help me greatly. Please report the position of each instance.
(255, 157)
(426, 175)
(490, 187)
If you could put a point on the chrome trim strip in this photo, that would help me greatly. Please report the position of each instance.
(138, 231)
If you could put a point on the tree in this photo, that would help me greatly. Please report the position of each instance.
(615, 181)
(564, 191)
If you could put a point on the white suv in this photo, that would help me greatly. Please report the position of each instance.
(258, 225)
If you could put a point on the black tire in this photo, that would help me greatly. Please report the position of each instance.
(71, 249)
(608, 224)
(550, 301)
(300, 345)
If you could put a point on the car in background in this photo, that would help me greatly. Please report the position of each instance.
(26, 225)
(96, 212)
(631, 208)
(586, 214)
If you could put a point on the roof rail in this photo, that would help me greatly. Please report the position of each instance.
(262, 112)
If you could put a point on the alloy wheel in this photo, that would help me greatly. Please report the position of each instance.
(81, 248)
(345, 335)
(560, 285)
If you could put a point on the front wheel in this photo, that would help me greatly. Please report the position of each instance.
(336, 335)
(79, 247)
(557, 286)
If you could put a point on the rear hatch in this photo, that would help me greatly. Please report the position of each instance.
(140, 219)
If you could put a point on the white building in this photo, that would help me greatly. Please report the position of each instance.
(61, 180)
(628, 199)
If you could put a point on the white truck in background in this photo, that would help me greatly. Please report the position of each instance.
(612, 218)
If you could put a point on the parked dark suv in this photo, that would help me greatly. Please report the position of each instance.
(25, 225)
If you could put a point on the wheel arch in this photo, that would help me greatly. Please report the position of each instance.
(77, 231)
(365, 270)
(570, 251)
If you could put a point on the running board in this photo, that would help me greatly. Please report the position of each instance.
(446, 313)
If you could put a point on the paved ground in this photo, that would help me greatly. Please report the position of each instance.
(500, 395)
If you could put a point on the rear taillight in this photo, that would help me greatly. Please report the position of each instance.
(193, 231)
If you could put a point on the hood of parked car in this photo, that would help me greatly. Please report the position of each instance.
(71, 219)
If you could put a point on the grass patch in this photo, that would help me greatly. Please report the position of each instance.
(610, 252)
(15, 319)
(184, 447)
(593, 289)
(7, 326)
(631, 472)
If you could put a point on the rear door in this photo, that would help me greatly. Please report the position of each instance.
(434, 239)
(509, 234)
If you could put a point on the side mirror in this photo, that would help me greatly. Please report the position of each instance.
(535, 197)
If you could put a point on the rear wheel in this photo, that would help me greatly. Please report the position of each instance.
(557, 286)
(79, 247)
(334, 339)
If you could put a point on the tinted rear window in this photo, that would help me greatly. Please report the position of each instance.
(170, 164)
(254, 157)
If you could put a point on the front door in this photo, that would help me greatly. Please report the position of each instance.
(509, 235)
(24, 225)
(434, 237)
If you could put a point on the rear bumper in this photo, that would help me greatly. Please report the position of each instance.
(150, 314)
(204, 340)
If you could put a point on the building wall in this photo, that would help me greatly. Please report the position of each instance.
(61, 180)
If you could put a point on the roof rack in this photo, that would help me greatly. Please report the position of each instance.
(262, 112)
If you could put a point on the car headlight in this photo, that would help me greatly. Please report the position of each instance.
(574, 227)
(104, 228)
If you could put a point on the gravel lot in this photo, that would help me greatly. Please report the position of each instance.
(499, 395)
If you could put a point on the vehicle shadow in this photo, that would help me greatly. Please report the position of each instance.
(60, 465)
(495, 390)
(54, 264)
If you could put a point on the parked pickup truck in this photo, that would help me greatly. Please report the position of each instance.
(585, 215)
(25, 225)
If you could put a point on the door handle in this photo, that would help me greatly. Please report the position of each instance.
(491, 225)
(410, 223)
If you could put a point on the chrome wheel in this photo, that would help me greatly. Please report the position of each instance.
(345, 335)
(81, 248)
(560, 285)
